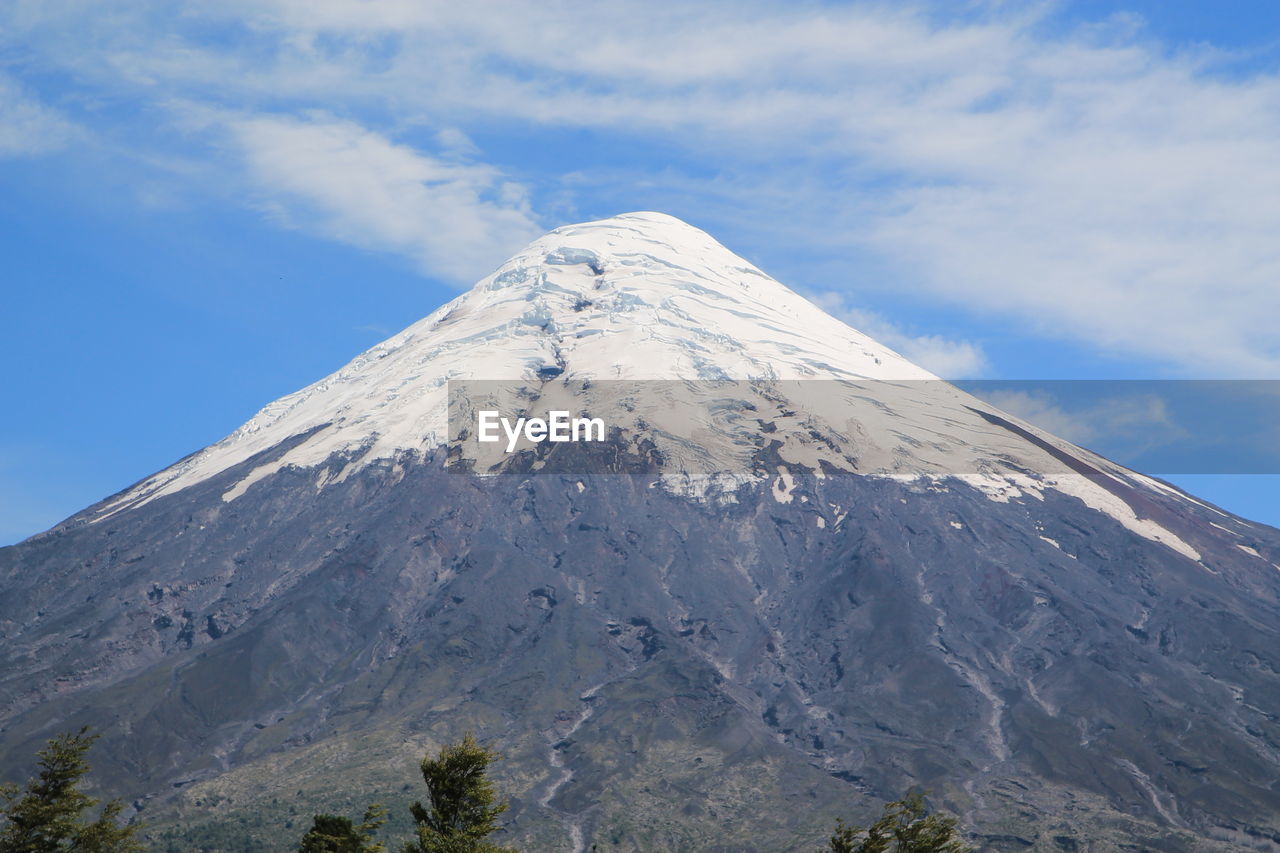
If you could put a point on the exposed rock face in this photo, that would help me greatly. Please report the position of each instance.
(1071, 661)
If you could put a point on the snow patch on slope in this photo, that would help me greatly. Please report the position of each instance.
(1096, 497)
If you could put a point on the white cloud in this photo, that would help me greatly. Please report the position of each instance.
(28, 126)
(1130, 423)
(945, 357)
(457, 220)
(1090, 185)
(456, 142)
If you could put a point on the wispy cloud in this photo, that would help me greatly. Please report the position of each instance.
(1138, 421)
(1088, 184)
(945, 357)
(352, 184)
(26, 125)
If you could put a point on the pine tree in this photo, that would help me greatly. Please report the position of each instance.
(845, 839)
(334, 834)
(903, 827)
(46, 815)
(463, 803)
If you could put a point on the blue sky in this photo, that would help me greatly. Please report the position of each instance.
(207, 207)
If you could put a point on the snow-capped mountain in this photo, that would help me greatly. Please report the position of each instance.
(833, 577)
(644, 297)
(640, 296)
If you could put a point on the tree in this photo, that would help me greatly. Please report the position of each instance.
(463, 803)
(333, 834)
(903, 827)
(45, 816)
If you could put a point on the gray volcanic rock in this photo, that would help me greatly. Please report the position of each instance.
(1069, 656)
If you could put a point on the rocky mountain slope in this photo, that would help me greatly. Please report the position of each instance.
(799, 576)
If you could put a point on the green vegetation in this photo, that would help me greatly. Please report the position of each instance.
(46, 816)
(463, 803)
(461, 812)
(333, 834)
(902, 828)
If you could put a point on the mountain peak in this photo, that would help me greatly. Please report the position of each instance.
(639, 219)
(632, 243)
(647, 222)
(636, 296)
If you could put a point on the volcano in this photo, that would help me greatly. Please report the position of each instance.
(796, 576)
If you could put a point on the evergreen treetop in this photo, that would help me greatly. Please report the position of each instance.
(46, 815)
(903, 827)
(463, 806)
